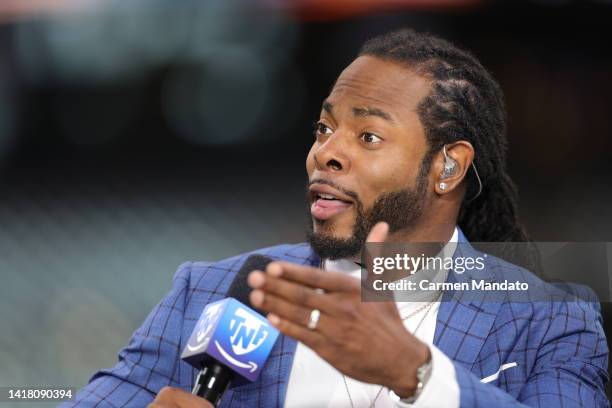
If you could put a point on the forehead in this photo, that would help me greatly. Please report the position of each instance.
(377, 83)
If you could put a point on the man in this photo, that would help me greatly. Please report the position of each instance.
(410, 147)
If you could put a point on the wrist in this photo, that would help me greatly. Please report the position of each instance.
(407, 382)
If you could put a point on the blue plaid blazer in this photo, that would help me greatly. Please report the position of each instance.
(559, 348)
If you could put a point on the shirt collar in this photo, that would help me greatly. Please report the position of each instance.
(348, 266)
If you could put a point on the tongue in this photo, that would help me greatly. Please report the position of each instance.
(324, 209)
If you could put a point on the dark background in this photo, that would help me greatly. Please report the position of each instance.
(136, 136)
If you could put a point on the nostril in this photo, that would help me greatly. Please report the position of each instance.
(334, 164)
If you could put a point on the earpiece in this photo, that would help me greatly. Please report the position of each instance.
(450, 166)
(449, 170)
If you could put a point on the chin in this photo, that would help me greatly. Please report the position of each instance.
(328, 243)
(332, 229)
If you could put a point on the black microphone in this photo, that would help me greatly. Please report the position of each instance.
(231, 341)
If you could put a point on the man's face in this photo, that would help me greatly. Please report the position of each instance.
(365, 164)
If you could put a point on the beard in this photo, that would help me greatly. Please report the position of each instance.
(401, 209)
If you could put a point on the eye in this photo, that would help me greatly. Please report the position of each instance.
(321, 129)
(370, 138)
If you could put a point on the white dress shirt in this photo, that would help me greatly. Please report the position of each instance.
(315, 383)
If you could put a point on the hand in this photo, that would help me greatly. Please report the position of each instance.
(171, 397)
(365, 341)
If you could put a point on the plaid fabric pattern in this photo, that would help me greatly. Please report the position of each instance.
(559, 347)
(151, 360)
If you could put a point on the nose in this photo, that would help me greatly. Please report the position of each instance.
(332, 154)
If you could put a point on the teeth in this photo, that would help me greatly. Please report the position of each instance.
(327, 196)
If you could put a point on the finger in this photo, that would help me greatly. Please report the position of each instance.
(373, 248)
(308, 337)
(173, 397)
(296, 314)
(274, 304)
(314, 277)
(378, 233)
(292, 292)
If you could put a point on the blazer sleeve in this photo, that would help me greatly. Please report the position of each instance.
(149, 361)
(570, 368)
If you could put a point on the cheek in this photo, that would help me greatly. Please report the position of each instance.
(384, 177)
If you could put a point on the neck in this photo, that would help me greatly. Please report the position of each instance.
(425, 233)
(429, 233)
(436, 234)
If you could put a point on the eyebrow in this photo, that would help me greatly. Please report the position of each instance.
(361, 112)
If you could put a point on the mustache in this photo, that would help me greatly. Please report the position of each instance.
(338, 187)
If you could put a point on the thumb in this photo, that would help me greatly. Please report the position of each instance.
(377, 236)
(378, 233)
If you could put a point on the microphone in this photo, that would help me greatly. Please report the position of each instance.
(231, 341)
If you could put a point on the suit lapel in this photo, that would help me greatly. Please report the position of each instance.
(463, 325)
(270, 389)
(465, 318)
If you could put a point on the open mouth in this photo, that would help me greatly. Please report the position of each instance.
(327, 202)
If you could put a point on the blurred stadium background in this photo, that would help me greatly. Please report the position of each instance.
(135, 135)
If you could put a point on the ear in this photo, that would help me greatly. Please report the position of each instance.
(459, 157)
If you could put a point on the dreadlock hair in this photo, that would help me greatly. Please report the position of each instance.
(464, 103)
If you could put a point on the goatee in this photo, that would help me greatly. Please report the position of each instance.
(400, 209)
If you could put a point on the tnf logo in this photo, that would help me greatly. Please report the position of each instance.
(246, 332)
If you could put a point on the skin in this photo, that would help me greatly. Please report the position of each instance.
(172, 397)
(371, 155)
(362, 152)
